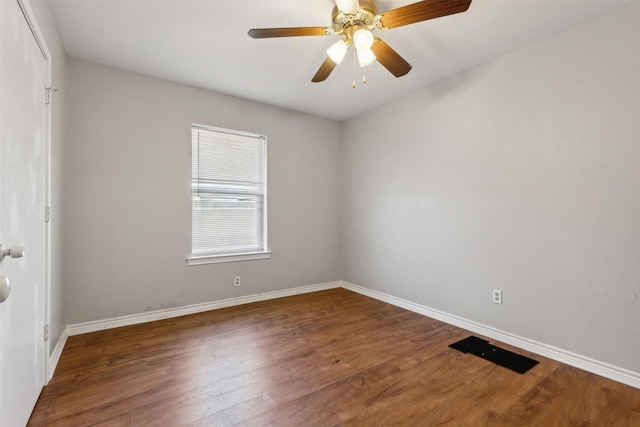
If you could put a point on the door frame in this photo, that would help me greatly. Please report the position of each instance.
(30, 17)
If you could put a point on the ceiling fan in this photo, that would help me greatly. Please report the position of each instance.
(355, 20)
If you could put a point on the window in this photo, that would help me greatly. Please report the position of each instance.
(228, 196)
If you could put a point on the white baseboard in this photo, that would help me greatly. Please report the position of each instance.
(54, 357)
(594, 366)
(606, 370)
(150, 316)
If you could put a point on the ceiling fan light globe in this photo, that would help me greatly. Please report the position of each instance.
(337, 51)
(365, 57)
(348, 7)
(363, 39)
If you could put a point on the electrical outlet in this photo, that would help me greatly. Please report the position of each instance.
(497, 296)
(236, 281)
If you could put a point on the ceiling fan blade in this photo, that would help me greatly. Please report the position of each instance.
(348, 7)
(390, 59)
(422, 11)
(263, 33)
(325, 69)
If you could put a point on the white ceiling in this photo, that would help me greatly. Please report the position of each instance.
(204, 43)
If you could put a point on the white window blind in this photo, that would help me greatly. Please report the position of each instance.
(228, 211)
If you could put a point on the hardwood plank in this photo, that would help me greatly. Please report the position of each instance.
(328, 358)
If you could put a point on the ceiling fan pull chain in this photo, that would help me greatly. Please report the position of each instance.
(353, 85)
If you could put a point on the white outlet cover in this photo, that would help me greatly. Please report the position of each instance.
(497, 296)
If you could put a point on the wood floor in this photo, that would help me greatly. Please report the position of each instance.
(323, 359)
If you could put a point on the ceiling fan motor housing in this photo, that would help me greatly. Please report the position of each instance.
(364, 18)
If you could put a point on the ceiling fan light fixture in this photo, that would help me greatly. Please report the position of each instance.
(337, 51)
(363, 39)
(348, 7)
(354, 20)
(365, 57)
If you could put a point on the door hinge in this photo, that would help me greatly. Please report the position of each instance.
(48, 90)
(46, 332)
(47, 214)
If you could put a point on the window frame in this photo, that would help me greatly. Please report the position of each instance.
(220, 257)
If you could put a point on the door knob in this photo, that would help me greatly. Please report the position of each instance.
(5, 288)
(13, 252)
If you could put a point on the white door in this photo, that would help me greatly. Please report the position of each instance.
(23, 192)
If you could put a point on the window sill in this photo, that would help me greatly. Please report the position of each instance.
(215, 259)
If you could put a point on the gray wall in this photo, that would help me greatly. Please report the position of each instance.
(522, 174)
(127, 183)
(58, 63)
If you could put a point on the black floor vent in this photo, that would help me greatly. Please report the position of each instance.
(500, 356)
